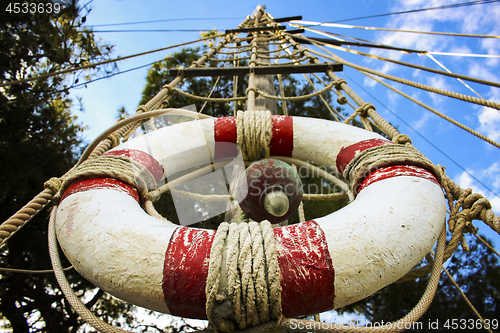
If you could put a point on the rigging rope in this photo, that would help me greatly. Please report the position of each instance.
(443, 92)
(69, 70)
(428, 69)
(442, 115)
(338, 25)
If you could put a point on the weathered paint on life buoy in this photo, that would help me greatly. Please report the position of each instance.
(327, 263)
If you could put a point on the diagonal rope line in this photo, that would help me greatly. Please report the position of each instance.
(443, 92)
(454, 122)
(446, 69)
(467, 299)
(322, 98)
(347, 26)
(424, 138)
(488, 245)
(69, 70)
(427, 69)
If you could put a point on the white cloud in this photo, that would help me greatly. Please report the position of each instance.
(490, 123)
(480, 19)
(369, 82)
(422, 121)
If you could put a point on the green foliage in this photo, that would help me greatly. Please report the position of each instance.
(38, 135)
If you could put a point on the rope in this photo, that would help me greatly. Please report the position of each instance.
(251, 293)
(293, 62)
(201, 98)
(69, 70)
(473, 205)
(68, 292)
(381, 122)
(279, 49)
(165, 92)
(117, 167)
(101, 144)
(400, 325)
(464, 206)
(462, 97)
(442, 115)
(211, 92)
(25, 214)
(427, 69)
(89, 152)
(316, 171)
(467, 299)
(488, 245)
(381, 156)
(254, 131)
(285, 56)
(291, 98)
(322, 98)
(31, 271)
(337, 25)
(386, 126)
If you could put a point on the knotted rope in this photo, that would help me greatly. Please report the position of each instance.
(254, 132)
(243, 285)
(381, 156)
(110, 166)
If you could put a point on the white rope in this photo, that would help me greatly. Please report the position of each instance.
(243, 284)
(254, 132)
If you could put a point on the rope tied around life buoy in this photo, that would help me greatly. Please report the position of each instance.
(254, 133)
(243, 285)
(382, 156)
(110, 166)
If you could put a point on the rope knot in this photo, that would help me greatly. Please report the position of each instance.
(168, 88)
(367, 106)
(361, 112)
(250, 293)
(143, 108)
(115, 139)
(110, 166)
(338, 84)
(254, 89)
(254, 133)
(54, 184)
(401, 139)
(382, 156)
(342, 100)
(312, 60)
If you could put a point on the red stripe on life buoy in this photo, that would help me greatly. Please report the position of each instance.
(282, 138)
(307, 275)
(395, 171)
(225, 132)
(185, 272)
(348, 153)
(100, 183)
(144, 159)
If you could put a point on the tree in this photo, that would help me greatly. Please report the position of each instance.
(38, 139)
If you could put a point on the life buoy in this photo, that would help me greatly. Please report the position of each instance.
(327, 263)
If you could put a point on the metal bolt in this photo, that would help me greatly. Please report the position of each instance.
(276, 203)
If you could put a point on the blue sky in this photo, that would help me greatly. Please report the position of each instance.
(102, 99)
